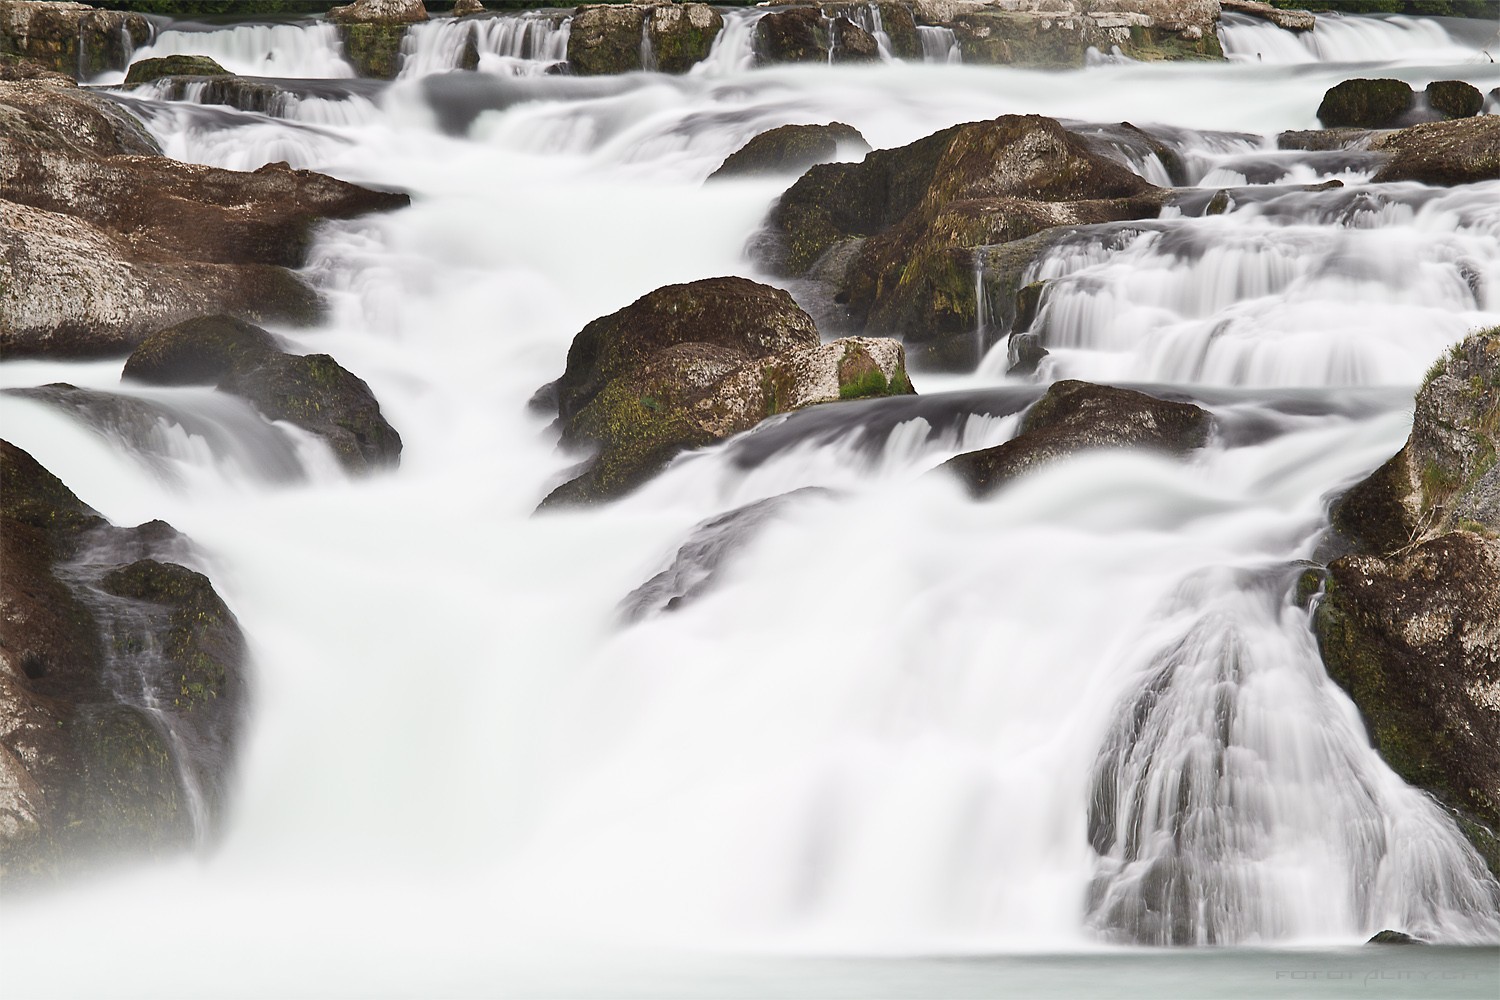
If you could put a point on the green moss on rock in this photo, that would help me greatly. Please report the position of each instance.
(201, 351)
(1366, 104)
(178, 65)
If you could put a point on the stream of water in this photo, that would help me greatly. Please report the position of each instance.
(887, 721)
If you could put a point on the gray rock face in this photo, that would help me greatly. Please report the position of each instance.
(1074, 417)
(70, 38)
(1410, 625)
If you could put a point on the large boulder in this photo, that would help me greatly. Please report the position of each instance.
(372, 32)
(312, 391)
(1409, 624)
(691, 364)
(179, 65)
(1074, 417)
(1367, 104)
(1450, 152)
(1454, 98)
(621, 38)
(70, 38)
(379, 12)
(154, 240)
(927, 211)
(791, 149)
(1289, 20)
(95, 745)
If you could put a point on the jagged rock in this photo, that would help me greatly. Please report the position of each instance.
(790, 149)
(1367, 104)
(147, 240)
(687, 365)
(1078, 416)
(70, 38)
(154, 69)
(1290, 20)
(85, 774)
(1410, 623)
(313, 391)
(1462, 151)
(1454, 98)
(924, 210)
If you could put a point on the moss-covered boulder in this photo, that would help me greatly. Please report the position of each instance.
(681, 35)
(1075, 417)
(372, 32)
(1060, 35)
(379, 12)
(1367, 104)
(791, 149)
(691, 364)
(605, 39)
(1410, 622)
(852, 43)
(119, 673)
(794, 35)
(925, 212)
(463, 8)
(1463, 151)
(200, 351)
(13, 68)
(70, 38)
(1454, 98)
(154, 69)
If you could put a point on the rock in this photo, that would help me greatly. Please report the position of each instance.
(1056, 34)
(793, 35)
(154, 69)
(1462, 151)
(605, 39)
(379, 12)
(925, 210)
(682, 35)
(1410, 623)
(790, 149)
(1077, 416)
(113, 240)
(1366, 104)
(313, 391)
(851, 43)
(462, 8)
(1290, 20)
(901, 28)
(70, 38)
(1454, 98)
(86, 775)
(1392, 937)
(1322, 140)
(16, 68)
(687, 365)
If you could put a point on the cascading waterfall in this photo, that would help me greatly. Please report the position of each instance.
(1402, 40)
(799, 693)
(518, 45)
(296, 51)
(939, 45)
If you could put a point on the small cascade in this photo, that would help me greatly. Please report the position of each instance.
(939, 45)
(1401, 40)
(516, 45)
(868, 18)
(981, 304)
(295, 51)
(733, 50)
(648, 51)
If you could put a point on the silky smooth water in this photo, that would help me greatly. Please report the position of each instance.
(891, 721)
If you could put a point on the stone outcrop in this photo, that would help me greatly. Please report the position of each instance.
(1367, 104)
(105, 240)
(1452, 152)
(908, 225)
(812, 35)
(791, 149)
(312, 391)
(154, 69)
(1410, 621)
(1454, 98)
(691, 364)
(70, 38)
(1290, 20)
(372, 32)
(623, 38)
(1075, 417)
(88, 772)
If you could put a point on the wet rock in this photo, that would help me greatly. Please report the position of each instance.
(87, 773)
(313, 391)
(682, 35)
(901, 28)
(795, 35)
(1410, 623)
(372, 32)
(605, 39)
(70, 38)
(1078, 416)
(1322, 140)
(1056, 34)
(145, 240)
(1366, 104)
(154, 69)
(851, 43)
(1452, 152)
(791, 149)
(462, 8)
(16, 68)
(924, 211)
(379, 12)
(1289, 20)
(1392, 937)
(691, 364)
(1454, 98)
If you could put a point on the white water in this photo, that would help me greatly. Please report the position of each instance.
(310, 50)
(881, 732)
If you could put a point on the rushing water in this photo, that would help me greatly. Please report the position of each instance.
(881, 719)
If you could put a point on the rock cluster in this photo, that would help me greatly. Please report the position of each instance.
(73, 39)
(622, 38)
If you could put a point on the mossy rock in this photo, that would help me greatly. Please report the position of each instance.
(374, 50)
(179, 65)
(793, 35)
(1366, 104)
(1462, 151)
(605, 39)
(200, 351)
(790, 149)
(682, 35)
(1454, 98)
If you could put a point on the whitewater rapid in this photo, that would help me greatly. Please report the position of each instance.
(880, 731)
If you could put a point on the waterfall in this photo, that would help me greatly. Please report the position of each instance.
(939, 45)
(1342, 39)
(513, 45)
(296, 51)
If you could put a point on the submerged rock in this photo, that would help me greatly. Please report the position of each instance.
(113, 240)
(790, 149)
(87, 772)
(1453, 152)
(1393, 937)
(70, 38)
(925, 211)
(154, 69)
(1410, 623)
(1367, 104)
(1074, 417)
(690, 364)
(313, 391)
